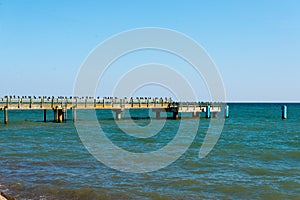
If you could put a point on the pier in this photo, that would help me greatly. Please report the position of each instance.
(60, 105)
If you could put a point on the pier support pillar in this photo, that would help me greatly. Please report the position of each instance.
(207, 112)
(195, 114)
(5, 115)
(227, 111)
(74, 114)
(58, 115)
(45, 115)
(64, 114)
(157, 114)
(55, 112)
(284, 112)
(175, 115)
(214, 114)
(118, 113)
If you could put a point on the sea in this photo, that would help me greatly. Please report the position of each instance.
(256, 157)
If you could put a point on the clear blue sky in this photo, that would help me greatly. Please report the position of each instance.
(255, 44)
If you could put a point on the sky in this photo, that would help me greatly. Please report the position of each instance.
(254, 44)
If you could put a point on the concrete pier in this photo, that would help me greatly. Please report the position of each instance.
(55, 112)
(74, 114)
(284, 112)
(175, 115)
(207, 112)
(5, 115)
(45, 115)
(64, 114)
(118, 114)
(58, 115)
(195, 114)
(60, 106)
(227, 111)
(157, 115)
(214, 115)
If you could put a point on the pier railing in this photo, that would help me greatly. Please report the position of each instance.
(19, 103)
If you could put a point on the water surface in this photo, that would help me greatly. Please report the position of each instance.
(256, 157)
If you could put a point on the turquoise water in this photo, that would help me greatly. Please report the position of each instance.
(256, 157)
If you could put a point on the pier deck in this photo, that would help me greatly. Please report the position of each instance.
(61, 104)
